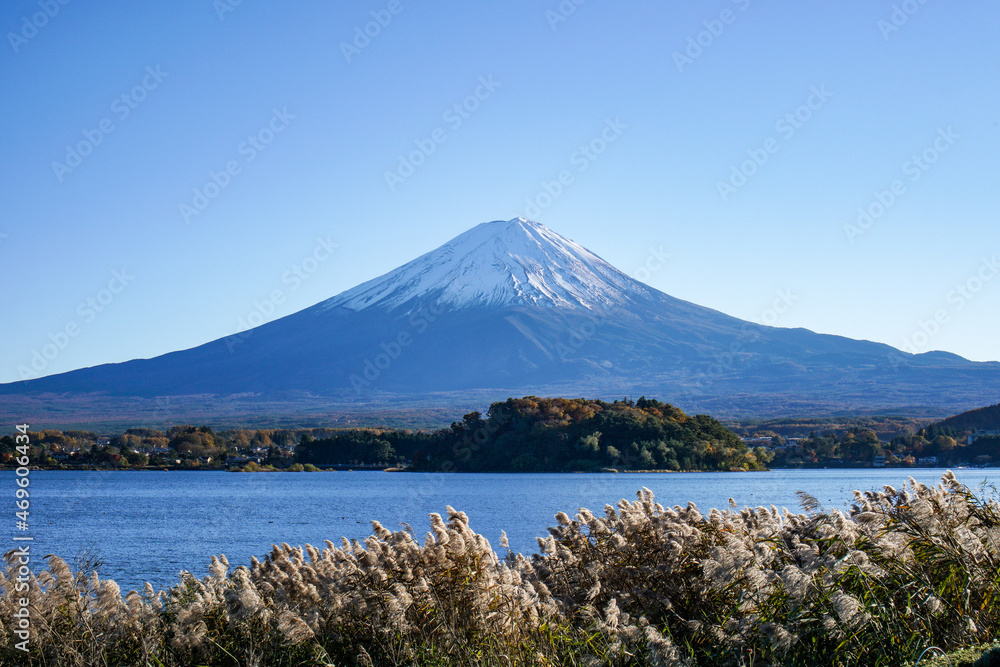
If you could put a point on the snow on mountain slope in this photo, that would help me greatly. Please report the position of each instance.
(514, 262)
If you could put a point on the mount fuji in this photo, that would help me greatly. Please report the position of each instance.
(513, 308)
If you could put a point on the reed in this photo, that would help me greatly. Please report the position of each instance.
(638, 584)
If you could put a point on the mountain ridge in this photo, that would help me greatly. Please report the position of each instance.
(513, 308)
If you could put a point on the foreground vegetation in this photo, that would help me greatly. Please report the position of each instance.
(974, 656)
(639, 584)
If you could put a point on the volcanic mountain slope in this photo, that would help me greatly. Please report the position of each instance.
(511, 308)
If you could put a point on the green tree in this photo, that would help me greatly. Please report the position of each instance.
(590, 445)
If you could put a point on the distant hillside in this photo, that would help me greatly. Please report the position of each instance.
(886, 427)
(987, 418)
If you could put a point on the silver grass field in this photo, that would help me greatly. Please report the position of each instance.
(638, 584)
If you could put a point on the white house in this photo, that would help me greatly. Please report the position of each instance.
(981, 433)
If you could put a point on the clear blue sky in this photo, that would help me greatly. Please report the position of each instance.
(329, 122)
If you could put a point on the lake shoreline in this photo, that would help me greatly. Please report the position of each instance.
(183, 516)
(479, 472)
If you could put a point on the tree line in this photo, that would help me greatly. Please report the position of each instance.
(533, 434)
(529, 434)
(944, 445)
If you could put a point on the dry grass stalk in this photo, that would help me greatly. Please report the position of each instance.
(640, 584)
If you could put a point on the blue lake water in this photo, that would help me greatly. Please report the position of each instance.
(147, 526)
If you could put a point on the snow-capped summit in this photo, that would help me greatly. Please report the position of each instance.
(513, 262)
